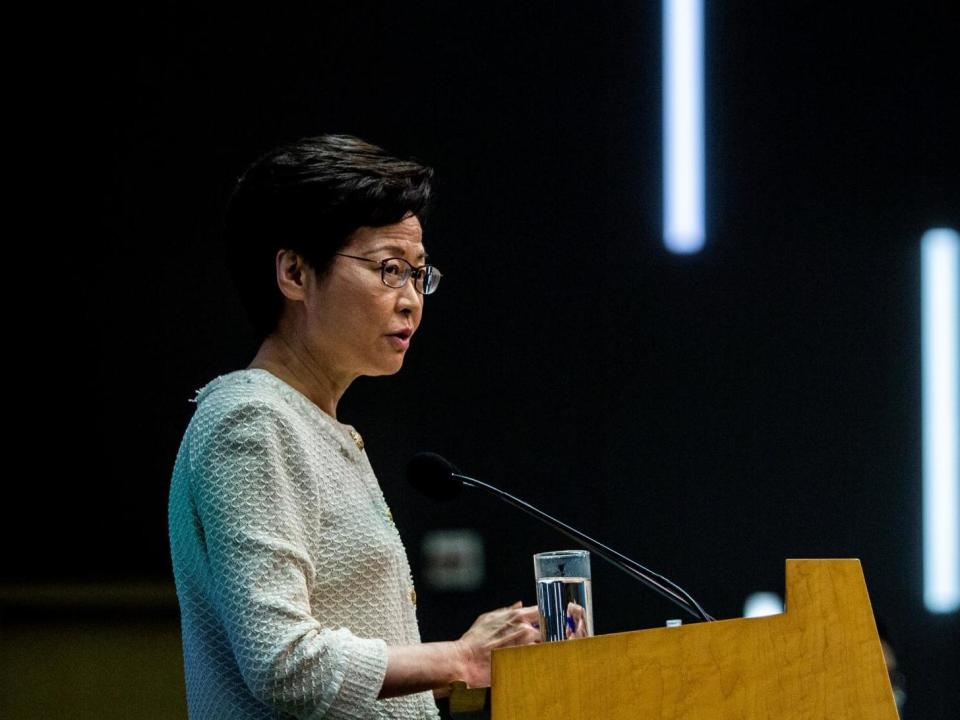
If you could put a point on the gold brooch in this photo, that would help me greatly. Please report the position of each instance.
(357, 439)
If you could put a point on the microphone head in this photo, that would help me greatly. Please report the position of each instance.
(432, 475)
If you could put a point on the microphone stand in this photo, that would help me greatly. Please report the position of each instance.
(652, 580)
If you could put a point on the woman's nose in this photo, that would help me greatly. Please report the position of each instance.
(408, 299)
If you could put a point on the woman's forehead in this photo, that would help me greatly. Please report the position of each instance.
(404, 238)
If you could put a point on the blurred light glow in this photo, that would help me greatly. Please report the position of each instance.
(762, 604)
(453, 560)
(939, 250)
(683, 165)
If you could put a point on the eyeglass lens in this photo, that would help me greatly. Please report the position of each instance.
(396, 272)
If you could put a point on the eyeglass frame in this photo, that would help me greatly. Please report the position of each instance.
(414, 273)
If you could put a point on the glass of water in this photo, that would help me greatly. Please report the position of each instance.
(564, 596)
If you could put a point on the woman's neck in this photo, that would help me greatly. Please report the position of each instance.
(293, 363)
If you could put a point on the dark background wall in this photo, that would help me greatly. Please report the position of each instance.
(709, 415)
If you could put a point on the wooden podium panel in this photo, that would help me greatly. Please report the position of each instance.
(820, 659)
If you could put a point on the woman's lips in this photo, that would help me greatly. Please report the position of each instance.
(400, 341)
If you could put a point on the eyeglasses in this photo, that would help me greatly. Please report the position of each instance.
(395, 272)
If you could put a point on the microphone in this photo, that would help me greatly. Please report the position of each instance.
(439, 479)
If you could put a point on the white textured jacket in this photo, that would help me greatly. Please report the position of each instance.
(291, 576)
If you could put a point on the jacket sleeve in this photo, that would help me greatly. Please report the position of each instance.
(250, 483)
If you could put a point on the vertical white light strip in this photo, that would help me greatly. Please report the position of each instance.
(939, 251)
(683, 172)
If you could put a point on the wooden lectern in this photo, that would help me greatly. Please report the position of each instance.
(820, 659)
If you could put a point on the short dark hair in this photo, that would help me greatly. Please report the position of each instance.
(310, 196)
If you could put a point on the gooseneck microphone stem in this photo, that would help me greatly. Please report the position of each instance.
(658, 583)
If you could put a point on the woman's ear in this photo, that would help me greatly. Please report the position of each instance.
(290, 267)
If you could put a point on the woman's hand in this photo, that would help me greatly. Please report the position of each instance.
(576, 621)
(499, 628)
(433, 666)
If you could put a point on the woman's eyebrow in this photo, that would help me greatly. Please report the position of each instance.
(422, 255)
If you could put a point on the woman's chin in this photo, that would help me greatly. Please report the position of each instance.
(388, 368)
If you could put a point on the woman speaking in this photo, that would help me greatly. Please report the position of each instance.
(295, 591)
